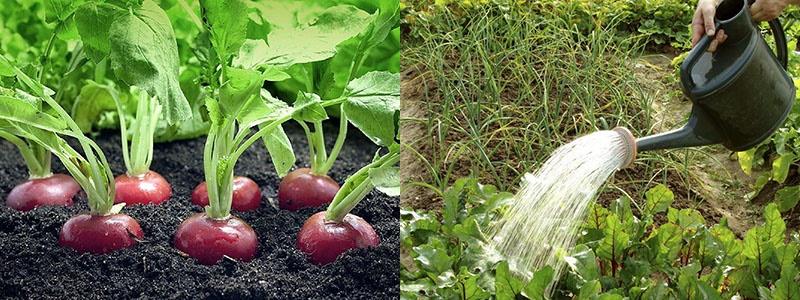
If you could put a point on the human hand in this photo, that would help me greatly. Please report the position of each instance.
(765, 10)
(703, 23)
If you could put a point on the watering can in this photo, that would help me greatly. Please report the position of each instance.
(740, 93)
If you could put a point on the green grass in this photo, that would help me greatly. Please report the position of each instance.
(505, 87)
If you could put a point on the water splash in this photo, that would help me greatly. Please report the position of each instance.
(545, 215)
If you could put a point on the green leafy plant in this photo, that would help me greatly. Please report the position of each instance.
(326, 235)
(38, 160)
(623, 252)
(346, 60)
(137, 42)
(104, 229)
(237, 105)
(773, 159)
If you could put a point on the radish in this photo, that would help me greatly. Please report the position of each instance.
(100, 234)
(54, 190)
(214, 234)
(103, 229)
(371, 103)
(148, 188)
(312, 187)
(209, 240)
(43, 188)
(324, 240)
(246, 194)
(140, 185)
(236, 105)
(209, 236)
(326, 235)
(302, 188)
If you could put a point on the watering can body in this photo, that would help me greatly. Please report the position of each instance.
(740, 93)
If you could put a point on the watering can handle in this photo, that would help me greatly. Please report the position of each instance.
(781, 52)
(781, 47)
(692, 58)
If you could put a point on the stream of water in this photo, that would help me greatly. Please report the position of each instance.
(547, 212)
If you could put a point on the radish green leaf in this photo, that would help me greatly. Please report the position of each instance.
(371, 101)
(386, 179)
(93, 21)
(59, 10)
(312, 111)
(304, 40)
(228, 25)
(144, 53)
(351, 53)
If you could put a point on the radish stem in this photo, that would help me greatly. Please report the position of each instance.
(36, 158)
(91, 171)
(322, 153)
(337, 147)
(357, 186)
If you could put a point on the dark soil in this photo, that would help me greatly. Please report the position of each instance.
(33, 265)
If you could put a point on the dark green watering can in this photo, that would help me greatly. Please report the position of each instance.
(740, 93)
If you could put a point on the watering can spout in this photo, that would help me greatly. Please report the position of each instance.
(699, 131)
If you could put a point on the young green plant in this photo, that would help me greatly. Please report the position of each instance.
(140, 185)
(43, 188)
(235, 104)
(328, 234)
(343, 36)
(104, 228)
(241, 106)
(372, 104)
(312, 187)
(225, 32)
(137, 40)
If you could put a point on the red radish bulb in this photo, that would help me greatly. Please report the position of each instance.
(325, 240)
(246, 194)
(100, 234)
(56, 190)
(208, 240)
(301, 188)
(149, 188)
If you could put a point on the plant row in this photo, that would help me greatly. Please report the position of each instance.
(630, 250)
(132, 48)
(663, 22)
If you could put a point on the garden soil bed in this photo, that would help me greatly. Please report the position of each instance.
(33, 265)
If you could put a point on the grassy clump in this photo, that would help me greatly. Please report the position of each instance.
(504, 87)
